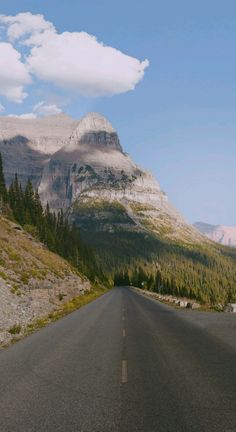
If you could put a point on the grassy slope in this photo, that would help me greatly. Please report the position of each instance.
(34, 283)
(23, 258)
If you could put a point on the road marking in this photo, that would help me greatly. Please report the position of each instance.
(123, 318)
(124, 372)
(124, 333)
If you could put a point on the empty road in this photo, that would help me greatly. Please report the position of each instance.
(123, 363)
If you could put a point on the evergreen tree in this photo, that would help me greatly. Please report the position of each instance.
(150, 283)
(29, 207)
(126, 279)
(16, 200)
(3, 189)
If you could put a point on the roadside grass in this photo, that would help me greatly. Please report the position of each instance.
(15, 329)
(69, 307)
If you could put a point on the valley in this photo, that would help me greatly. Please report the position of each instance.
(128, 230)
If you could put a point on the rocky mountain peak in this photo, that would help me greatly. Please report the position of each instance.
(95, 122)
(76, 162)
(94, 129)
(92, 166)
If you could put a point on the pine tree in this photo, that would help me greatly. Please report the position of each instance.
(16, 200)
(29, 204)
(3, 189)
(150, 283)
(39, 215)
(126, 279)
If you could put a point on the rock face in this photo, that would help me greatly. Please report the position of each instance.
(93, 164)
(92, 167)
(82, 162)
(27, 144)
(222, 234)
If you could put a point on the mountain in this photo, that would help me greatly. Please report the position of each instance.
(76, 163)
(123, 216)
(222, 234)
(27, 144)
(92, 168)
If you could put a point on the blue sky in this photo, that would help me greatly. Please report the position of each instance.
(179, 122)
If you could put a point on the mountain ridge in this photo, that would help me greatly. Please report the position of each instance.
(223, 234)
(70, 160)
(27, 144)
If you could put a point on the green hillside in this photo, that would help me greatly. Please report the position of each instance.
(204, 271)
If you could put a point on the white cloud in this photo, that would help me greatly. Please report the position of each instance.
(41, 109)
(27, 26)
(26, 116)
(44, 109)
(76, 61)
(13, 73)
(2, 108)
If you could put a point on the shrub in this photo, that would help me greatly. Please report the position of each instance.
(15, 329)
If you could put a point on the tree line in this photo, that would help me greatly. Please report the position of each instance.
(203, 272)
(210, 288)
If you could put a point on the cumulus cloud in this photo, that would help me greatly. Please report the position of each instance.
(13, 73)
(44, 109)
(75, 61)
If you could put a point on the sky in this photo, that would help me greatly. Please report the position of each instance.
(163, 73)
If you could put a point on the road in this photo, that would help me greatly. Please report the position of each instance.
(122, 363)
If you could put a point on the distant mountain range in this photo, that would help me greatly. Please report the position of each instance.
(222, 234)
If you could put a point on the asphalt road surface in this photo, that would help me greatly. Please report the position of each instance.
(122, 363)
